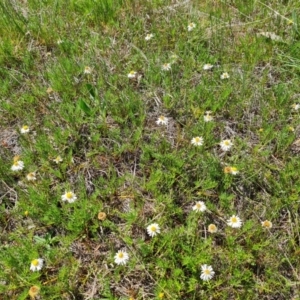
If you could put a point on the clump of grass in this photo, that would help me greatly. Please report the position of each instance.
(152, 168)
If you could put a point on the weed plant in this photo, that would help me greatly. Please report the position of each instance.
(149, 149)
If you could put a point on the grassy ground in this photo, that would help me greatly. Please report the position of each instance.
(118, 160)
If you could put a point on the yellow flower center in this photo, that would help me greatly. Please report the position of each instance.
(267, 224)
(226, 143)
(153, 228)
(57, 159)
(121, 255)
(16, 163)
(69, 195)
(227, 170)
(25, 127)
(234, 220)
(212, 227)
(101, 216)
(16, 158)
(162, 118)
(197, 139)
(34, 291)
(206, 272)
(35, 262)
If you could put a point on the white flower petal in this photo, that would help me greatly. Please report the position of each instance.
(69, 197)
(121, 257)
(234, 222)
(18, 165)
(197, 141)
(162, 120)
(153, 229)
(166, 67)
(36, 264)
(207, 272)
(199, 206)
(226, 145)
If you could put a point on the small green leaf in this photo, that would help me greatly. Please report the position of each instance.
(24, 295)
(84, 107)
(91, 90)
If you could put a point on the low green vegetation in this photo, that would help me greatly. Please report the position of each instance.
(149, 149)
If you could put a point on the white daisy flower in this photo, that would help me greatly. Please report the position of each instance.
(31, 176)
(212, 228)
(226, 145)
(166, 67)
(208, 67)
(199, 206)
(17, 165)
(234, 171)
(162, 120)
(58, 159)
(231, 170)
(208, 118)
(153, 229)
(131, 74)
(234, 222)
(296, 106)
(149, 36)
(191, 26)
(197, 141)
(207, 272)
(36, 264)
(25, 129)
(267, 224)
(69, 197)
(87, 70)
(225, 75)
(121, 257)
